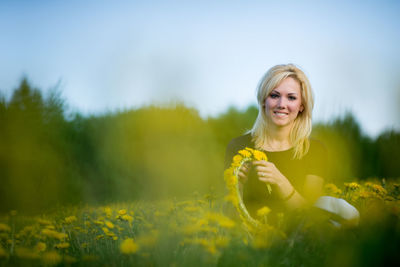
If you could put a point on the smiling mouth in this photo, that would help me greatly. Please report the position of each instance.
(280, 113)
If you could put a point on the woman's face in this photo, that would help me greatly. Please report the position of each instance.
(283, 103)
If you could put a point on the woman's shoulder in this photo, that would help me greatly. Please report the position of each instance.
(317, 146)
(240, 141)
(235, 145)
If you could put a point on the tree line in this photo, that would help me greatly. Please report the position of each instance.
(48, 158)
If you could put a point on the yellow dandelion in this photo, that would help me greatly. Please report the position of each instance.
(222, 241)
(249, 149)
(110, 234)
(332, 188)
(109, 224)
(211, 249)
(222, 220)
(98, 237)
(364, 194)
(231, 181)
(53, 234)
(3, 253)
(245, 153)
(379, 189)
(4, 228)
(62, 245)
(44, 222)
(259, 155)
(40, 247)
(232, 198)
(70, 219)
(352, 186)
(264, 211)
(128, 246)
(127, 218)
(228, 173)
(98, 222)
(108, 212)
(368, 184)
(122, 212)
(260, 242)
(51, 258)
(237, 158)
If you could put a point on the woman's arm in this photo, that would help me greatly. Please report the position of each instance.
(267, 172)
(313, 187)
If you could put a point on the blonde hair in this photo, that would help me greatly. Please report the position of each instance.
(301, 128)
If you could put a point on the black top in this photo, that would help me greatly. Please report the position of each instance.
(255, 194)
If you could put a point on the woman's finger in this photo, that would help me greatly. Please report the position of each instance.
(260, 163)
(267, 180)
(264, 173)
(244, 168)
(261, 169)
(242, 177)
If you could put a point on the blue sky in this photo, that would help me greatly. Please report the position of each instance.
(110, 55)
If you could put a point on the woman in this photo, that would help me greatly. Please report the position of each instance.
(296, 164)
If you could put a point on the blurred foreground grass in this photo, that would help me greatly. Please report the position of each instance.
(196, 232)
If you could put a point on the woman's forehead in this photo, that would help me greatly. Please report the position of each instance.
(287, 86)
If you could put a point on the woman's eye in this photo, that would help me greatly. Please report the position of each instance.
(274, 95)
(292, 98)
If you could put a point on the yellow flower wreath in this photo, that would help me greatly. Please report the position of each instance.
(231, 180)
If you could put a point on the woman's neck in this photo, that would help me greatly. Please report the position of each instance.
(278, 139)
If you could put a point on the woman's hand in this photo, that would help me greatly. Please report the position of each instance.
(268, 173)
(243, 173)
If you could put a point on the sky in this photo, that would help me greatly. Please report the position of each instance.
(112, 55)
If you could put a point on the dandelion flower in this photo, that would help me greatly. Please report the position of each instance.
(352, 186)
(245, 153)
(4, 228)
(128, 246)
(70, 219)
(62, 245)
(40, 247)
(109, 224)
(127, 218)
(237, 158)
(122, 212)
(264, 211)
(108, 212)
(259, 155)
(44, 222)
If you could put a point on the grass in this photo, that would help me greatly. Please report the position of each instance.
(196, 232)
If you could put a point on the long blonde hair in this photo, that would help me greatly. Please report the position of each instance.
(302, 126)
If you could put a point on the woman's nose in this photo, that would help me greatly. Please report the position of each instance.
(281, 102)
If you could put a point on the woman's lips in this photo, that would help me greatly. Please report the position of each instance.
(280, 113)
